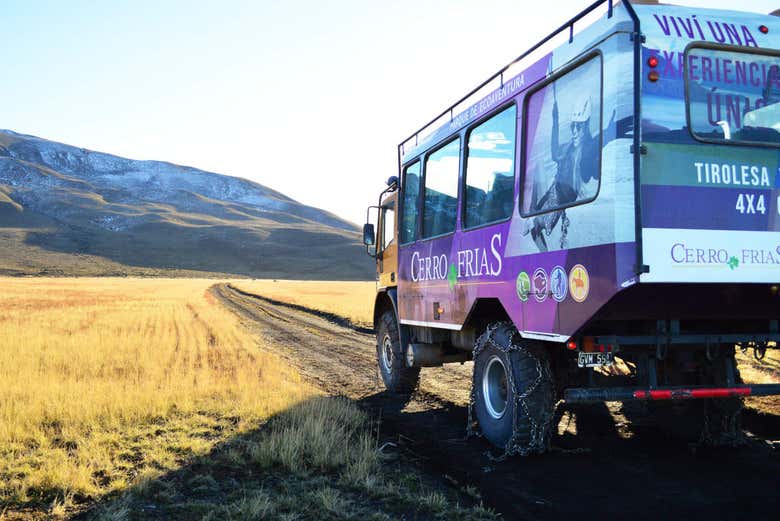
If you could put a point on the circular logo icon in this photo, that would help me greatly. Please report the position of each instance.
(579, 283)
(559, 286)
(523, 286)
(541, 285)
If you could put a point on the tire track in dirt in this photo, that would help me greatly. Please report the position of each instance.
(332, 356)
(340, 359)
(615, 461)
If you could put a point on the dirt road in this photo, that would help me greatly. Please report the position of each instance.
(617, 462)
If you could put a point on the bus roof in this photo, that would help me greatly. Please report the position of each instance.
(528, 68)
(499, 87)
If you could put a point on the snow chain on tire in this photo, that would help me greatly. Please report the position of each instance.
(540, 420)
(722, 418)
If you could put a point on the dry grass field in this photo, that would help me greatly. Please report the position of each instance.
(139, 399)
(145, 399)
(765, 371)
(351, 300)
(104, 383)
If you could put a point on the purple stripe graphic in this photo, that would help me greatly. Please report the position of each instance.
(707, 208)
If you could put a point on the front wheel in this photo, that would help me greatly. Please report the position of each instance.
(513, 391)
(398, 378)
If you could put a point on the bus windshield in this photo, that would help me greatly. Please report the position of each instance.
(733, 96)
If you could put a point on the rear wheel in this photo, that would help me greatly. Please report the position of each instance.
(723, 416)
(398, 378)
(512, 391)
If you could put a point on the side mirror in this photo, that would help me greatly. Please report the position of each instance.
(393, 180)
(368, 234)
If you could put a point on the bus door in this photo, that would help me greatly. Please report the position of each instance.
(387, 254)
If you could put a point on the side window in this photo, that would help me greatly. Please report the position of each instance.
(388, 221)
(563, 141)
(411, 191)
(490, 170)
(441, 190)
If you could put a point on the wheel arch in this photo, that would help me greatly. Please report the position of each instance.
(485, 311)
(384, 300)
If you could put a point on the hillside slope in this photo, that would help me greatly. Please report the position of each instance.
(71, 211)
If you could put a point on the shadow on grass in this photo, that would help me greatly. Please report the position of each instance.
(326, 458)
(321, 459)
(761, 423)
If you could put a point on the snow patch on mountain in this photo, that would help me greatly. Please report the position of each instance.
(40, 171)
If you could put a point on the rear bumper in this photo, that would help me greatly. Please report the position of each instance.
(627, 394)
(675, 338)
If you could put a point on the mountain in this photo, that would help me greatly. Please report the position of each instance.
(70, 211)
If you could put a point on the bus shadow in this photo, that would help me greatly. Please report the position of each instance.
(273, 461)
(644, 454)
(631, 448)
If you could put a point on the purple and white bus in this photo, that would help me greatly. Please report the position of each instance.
(613, 195)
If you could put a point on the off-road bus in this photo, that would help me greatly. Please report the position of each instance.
(611, 196)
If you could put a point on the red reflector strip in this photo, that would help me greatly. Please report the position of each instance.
(687, 394)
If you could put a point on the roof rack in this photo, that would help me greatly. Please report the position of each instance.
(500, 74)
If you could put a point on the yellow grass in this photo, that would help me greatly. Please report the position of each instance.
(351, 300)
(106, 382)
(766, 371)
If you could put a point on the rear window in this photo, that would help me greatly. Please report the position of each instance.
(733, 95)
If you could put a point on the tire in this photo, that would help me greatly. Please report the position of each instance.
(398, 378)
(505, 369)
(723, 416)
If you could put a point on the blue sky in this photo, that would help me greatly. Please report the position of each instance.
(306, 97)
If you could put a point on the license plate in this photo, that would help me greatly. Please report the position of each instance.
(595, 359)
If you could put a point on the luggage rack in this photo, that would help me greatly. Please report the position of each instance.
(500, 74)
